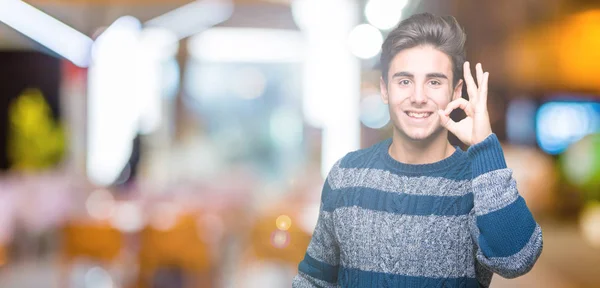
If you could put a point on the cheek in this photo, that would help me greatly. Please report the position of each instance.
(397, 95)
(440, 97)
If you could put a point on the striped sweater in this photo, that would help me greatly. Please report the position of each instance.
(452, 223)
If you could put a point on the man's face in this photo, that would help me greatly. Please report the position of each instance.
(419, 84)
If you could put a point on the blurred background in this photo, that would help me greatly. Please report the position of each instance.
(178, 143)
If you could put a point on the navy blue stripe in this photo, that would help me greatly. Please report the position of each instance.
(456, 167)
(359, 278)
(317, 269)
(486, 156)
(506, 231)
(399, 203)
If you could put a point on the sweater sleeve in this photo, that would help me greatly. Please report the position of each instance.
(321, 261)
(508, 239)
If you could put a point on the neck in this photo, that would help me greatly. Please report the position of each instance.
(420, 152)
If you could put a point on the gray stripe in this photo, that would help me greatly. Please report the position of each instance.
(389, 182)
(518, 263)
(305, 281)
(335, 176)
(494, 190)
(428, 246)
(323, 245)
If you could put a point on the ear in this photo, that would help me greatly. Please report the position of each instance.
(384, 91)
(457, 90)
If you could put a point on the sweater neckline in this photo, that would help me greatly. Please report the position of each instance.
(456, 157)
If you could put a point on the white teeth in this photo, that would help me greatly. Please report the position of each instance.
(418, 115)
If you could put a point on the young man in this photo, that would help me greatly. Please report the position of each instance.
(414, 211)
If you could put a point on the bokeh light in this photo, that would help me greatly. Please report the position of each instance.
(100, 204)
(280, 239)
(365, 41)
(128, 217)
(560, 124)
(590, 224)
(283, 222)
(373, 112)
(98, 278)
(384, 14)
(164, 216)
(581, 163)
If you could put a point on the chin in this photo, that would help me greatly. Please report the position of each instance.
(419, 134)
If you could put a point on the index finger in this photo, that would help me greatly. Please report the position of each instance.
(471, 86)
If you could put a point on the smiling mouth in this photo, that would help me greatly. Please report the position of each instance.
(418, 115)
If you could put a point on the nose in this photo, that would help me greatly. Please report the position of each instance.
(419, 97)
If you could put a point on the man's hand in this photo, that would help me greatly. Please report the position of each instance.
(476, 126)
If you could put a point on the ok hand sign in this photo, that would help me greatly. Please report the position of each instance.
(476, 126)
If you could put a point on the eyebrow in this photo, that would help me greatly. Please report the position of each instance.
(410, 75)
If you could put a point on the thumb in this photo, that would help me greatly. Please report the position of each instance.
(446, 121)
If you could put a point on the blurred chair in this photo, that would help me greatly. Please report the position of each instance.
(3, 256)
(97, 241)
(273, 250)
(175, 256)
(268, 242)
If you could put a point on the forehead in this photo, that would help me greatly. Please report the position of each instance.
(421, 60)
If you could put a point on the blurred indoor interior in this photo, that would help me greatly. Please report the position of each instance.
(178, 143)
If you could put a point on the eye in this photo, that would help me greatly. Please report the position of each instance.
(435, 82)
(404, 82)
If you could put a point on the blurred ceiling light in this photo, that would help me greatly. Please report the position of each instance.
(46, 30)
(122, 27)
(384, 14)
(194, 17)
(112, 100)
(320, 16)
(172, 79)
(159, 43)
(125, 88)
(365, 41)
(333, 108)
(246, 45)
(373, 112)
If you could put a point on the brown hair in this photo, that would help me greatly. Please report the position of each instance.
(443, 33)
